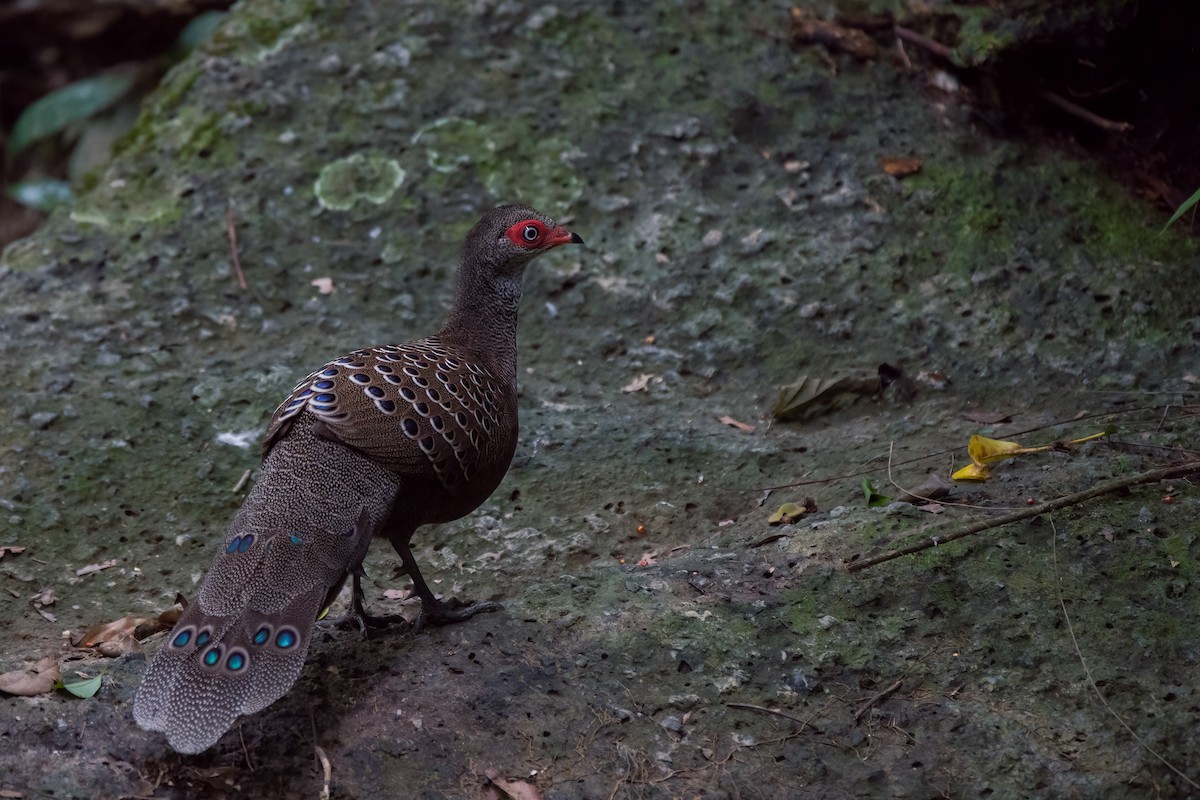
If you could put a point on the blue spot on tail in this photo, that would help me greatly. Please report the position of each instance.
(182, 638)
(244, 545)
(233, 544)
(236, 661)
(212, 657)
(296, 538)
(203, 638)
(263, 634)
(285, 639)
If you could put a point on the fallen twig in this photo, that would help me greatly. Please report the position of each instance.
(1082, 113)
(749, 707)
(233, 248)
(1033, 511)
(879, 698)
(921, 40)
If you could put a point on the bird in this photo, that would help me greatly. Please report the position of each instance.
(374, 443)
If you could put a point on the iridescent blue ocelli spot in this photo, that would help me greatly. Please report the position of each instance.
(325, 398)
(235, 662)
(263, 634)
(324, 384)
(384, 368)
(182, 638)
(375, 392)
(202, 638)
(244, 545)
(329, 373)
(360, 378)
(212, 657)
(387, 406)
(304, 394)
(296, 538)
(285, 639)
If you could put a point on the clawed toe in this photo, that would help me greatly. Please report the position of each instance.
(448, 612)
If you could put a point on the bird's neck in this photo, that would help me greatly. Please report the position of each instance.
(484, 321)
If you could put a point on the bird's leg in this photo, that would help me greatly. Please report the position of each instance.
(357, 616)
(433, 611)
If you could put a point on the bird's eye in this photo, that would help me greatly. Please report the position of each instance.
(531, 233)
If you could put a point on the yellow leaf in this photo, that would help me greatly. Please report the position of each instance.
(983, 450)
(972, 472)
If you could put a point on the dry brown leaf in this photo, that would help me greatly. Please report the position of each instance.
(90, 568)
(809, 397)
(733, 423)
(11, 794)
(38, 679)
(516, 789)
(640, 383)
(11, 548)
(985, 417)
(110, 631)
(397, 594)
(899, 167)
(122, 646)
(934, 487)
(807, 29)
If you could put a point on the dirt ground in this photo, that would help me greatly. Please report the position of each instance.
(660, 638)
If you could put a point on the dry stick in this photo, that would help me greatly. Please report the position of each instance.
(1087, 671)
(1033, 511)
(749, 707)
(233, 247)
(879, 698)
(1082, 113)
(933, 46)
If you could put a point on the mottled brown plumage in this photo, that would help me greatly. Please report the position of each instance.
(377, 442)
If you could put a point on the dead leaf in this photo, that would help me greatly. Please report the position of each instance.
(809, 397)
(397, 594)
(932, 508)
(640, 383)
(984, 417)
(324, 285)
(12, 794)
(807, 29)
(110, 631)
(900, 167)
(934, 487)
(11, 548)
(163, 622)
(741, 426)
(42, 599)
(517, 789)
(90, 568)
(38, 679)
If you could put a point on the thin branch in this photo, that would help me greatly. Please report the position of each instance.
(748, 707)
(1033, 511)
(921, 40)
(233, 247)
(1082, 113)
(879, 698)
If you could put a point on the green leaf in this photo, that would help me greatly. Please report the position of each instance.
(1184, 207)
(52, 113)
(199, 29)
(874, 499)
(44, 194)
(85, 688)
